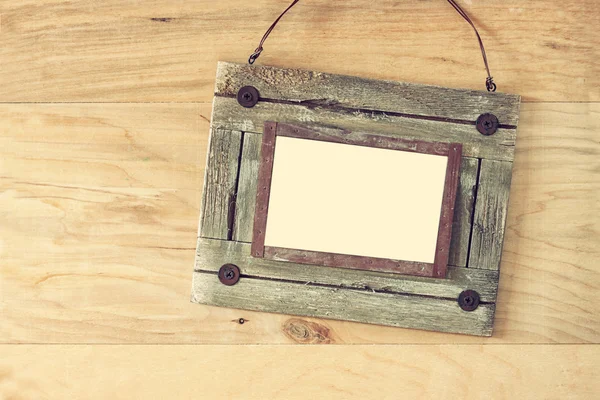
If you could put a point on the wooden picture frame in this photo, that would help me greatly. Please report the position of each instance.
(464, 302)
(437, 269)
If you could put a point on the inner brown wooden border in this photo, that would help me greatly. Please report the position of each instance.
(437, 270)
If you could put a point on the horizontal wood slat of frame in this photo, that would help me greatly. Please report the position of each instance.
(316, 89)
(389, 309)
(212, 254)
(220, 183)
(490, 214)
(228, 114)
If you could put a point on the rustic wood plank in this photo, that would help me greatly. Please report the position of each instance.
(212, 254)
(228, 114)
(303, 372)
(397, 310)
(247, 183)
(117, 51)
(490, 214)
(316, 89)
(222, 165)
(463, 212)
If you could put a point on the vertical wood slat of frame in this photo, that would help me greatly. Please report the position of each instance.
(247, 183)
(220, 184)
(263, 189)
(490, 214)
(442, 251)
(463, 212)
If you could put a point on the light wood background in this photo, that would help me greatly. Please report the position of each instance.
(104, 117)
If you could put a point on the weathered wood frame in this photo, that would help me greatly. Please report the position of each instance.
(333, 104)
(437, 269)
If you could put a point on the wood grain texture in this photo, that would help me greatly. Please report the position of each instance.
(57, 50)
(463, 212)
(228, 114)
(210, 254)
(318, 89)
(220, 184)
(100, 206)
(247, 183)
(99, 203)
(339, 372)
(426, 313)
(489, 220)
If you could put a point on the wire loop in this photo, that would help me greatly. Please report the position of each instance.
(255, 55)
(489, 82)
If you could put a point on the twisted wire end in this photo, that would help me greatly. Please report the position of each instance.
(255, 55)
(490, 85)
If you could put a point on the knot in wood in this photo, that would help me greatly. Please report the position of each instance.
(305, 332)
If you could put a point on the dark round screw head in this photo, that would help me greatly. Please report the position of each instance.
(229, 274)
(468, 300)
(248, 96)
(487, 124)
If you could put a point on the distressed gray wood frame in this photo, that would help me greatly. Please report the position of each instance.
(437, 269)
(331, 105)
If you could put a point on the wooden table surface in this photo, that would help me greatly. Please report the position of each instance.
(104, 117)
